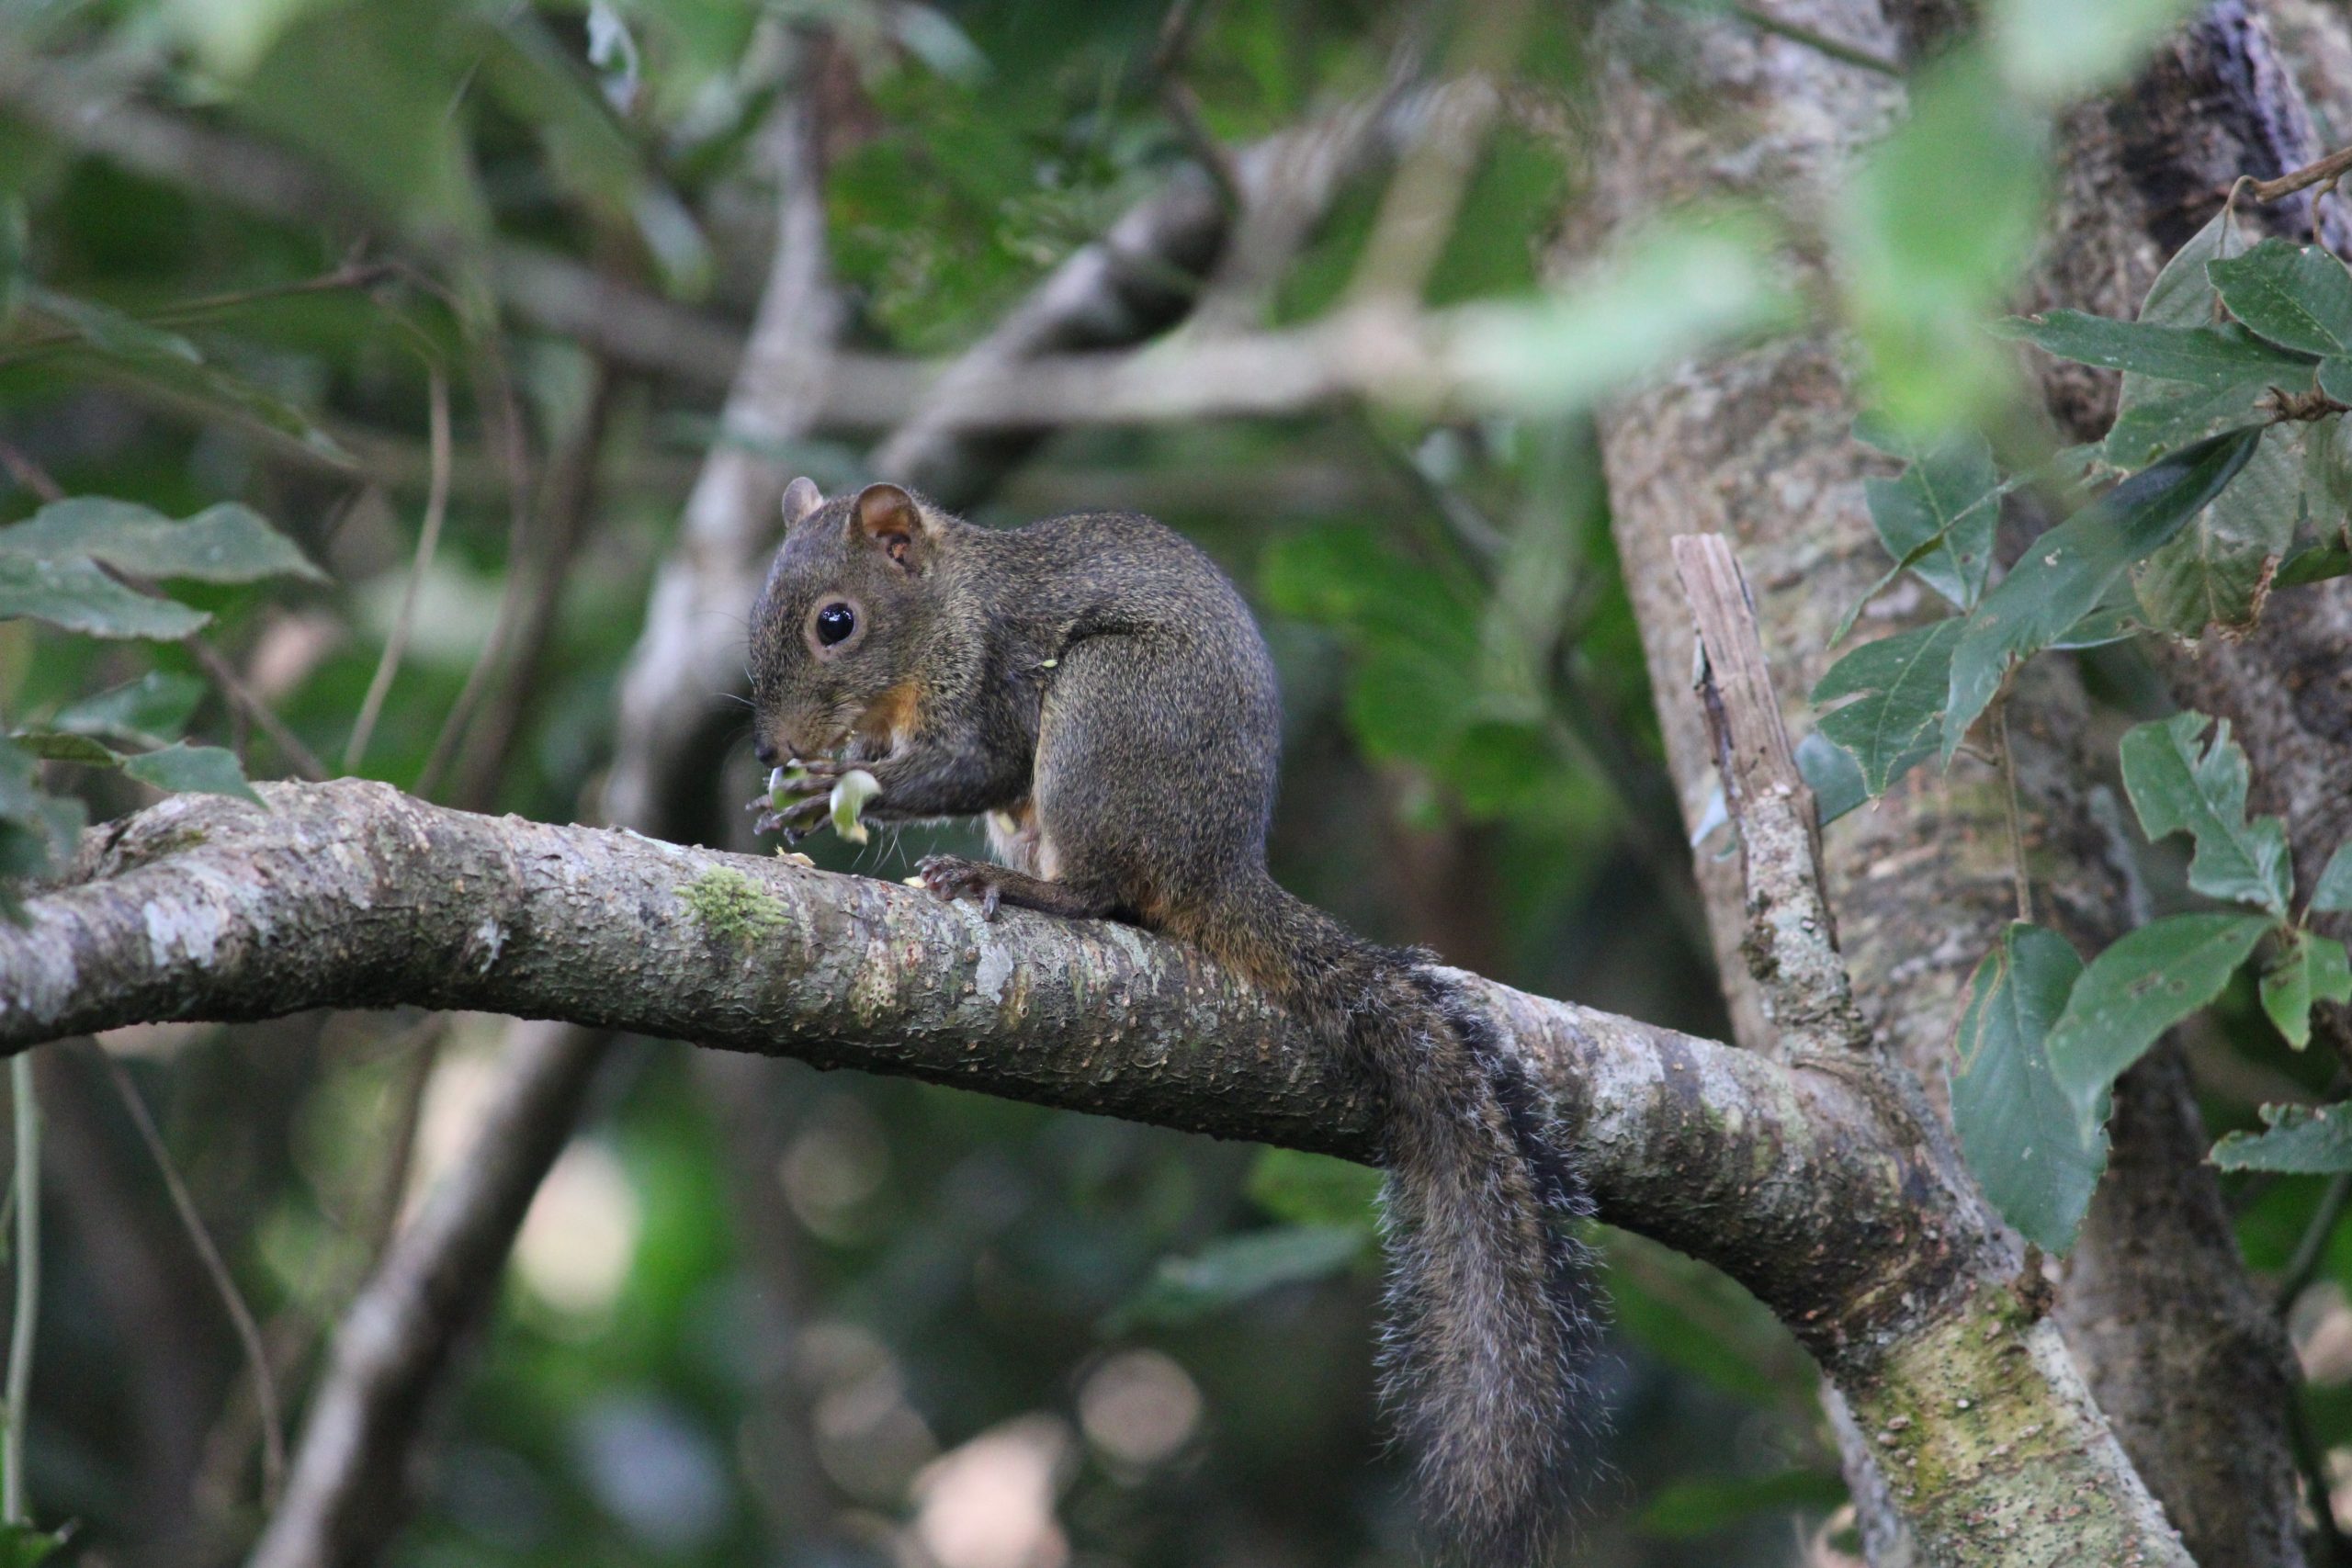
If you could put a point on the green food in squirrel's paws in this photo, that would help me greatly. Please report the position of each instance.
(850, 792)
(781, 783)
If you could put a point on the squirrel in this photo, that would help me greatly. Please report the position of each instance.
(1095, 687)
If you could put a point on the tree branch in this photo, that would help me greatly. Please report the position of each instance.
(1832, 1208)
(352, 894)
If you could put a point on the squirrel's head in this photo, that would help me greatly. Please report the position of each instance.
(841, 631)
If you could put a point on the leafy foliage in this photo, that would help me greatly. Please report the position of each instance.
(2017, 1127)
(2302, 1139)
(2177, 790)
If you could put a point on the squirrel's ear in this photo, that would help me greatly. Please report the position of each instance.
(889, 517)
(800, 498)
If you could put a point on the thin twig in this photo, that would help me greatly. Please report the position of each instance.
(232, 1301)
(2326, 169)
(2313, 1466)
(1183, 105)
(13, 1505)
(491, 375)
(2008, 765)
(428, 539)
(1819, 42)
(223, 674)
(349, 275)
(2304, 1265)
(1424, 197)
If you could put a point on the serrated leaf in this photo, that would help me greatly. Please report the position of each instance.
(1899, 684)
(1938, 515)
(2212, 359)
(2179, 787)
(150, 711)
(2018, 1128)
(2297, 1140)
(2144, 984)
(74, 594)
(2333, 891)
(56, 746)
(200, 770)
(1834, 778)
(2064, 574)
(2307, 967)
(1234, 1268)
(2154, 417)
(227, 543)
(2297, 296)
(2218, 571)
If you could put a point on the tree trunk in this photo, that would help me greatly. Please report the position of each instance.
(1759, 446)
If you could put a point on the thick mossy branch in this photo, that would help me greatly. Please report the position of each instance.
(1804, 1183)
(353, 895)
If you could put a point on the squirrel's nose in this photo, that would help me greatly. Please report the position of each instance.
(765, 749)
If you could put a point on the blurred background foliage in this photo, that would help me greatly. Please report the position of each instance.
(1014, 1339)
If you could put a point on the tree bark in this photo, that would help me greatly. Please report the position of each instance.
(1758, 446)
(1809, 1182)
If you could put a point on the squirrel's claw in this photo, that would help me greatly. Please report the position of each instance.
(951, 878)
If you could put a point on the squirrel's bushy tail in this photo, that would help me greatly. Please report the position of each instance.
(1492, 1323)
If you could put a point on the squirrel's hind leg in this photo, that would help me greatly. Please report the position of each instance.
(952, 876)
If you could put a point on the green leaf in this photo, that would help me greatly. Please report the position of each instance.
(1234, 1268)
(38, 831)
(2154, 417)
(2169, 416)
(202, 769)
(227, 543)
(150, 711)
(2297, 1140)
(2307, 967)
(1680, 288)
(2212, 359)
(74, 594)
(2335, 379)
(2334, 891)
(1833, 775)
(2179, 787)
(2218, 571)
(1900, 683)
(55, 746)
(1685, 1508)
(2115, 618)
(2064, 50)
(1947, 502)
(1930, 232)
(113, 332)
(2017, 1127)
(2141, 986)
(21, 1546)
(2298, 296)
(2327, 487)
(2064, 574)
(1301, 1189)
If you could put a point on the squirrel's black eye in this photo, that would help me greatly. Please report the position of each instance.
(835, 622)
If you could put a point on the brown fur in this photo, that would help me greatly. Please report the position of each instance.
(1096, 676)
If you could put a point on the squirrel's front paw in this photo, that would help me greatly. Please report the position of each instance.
(952, 876)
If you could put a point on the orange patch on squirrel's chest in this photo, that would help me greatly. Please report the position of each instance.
(890, 716)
